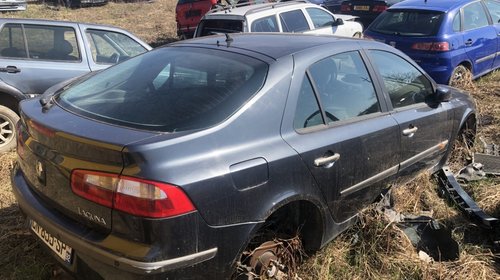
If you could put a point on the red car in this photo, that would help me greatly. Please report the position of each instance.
(188, 14)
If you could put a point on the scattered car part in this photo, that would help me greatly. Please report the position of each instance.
(450, 188)
(472, 172)
(491, 163)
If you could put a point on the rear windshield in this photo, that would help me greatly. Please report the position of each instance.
(169, 89)
(408, 22)
(219, 26)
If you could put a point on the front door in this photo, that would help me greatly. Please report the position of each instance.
(425, 127)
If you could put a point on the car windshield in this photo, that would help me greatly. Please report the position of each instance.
(408, 23)
(170, 89)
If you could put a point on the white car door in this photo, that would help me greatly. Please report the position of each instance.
(324, 22)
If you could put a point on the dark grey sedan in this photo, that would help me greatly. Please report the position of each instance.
(172, 163)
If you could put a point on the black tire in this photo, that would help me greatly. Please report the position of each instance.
(8, 120)
(460, 76)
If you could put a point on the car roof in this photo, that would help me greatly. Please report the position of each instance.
(272, 45)
(434, 5)
(255, 8)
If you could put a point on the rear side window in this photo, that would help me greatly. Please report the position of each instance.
(344, 87)
(220, 26)
(265, 24)
(405, 84)
(307, 113)
(164, 91)
(408, 23)
(457, 23)
(111, 47)
(12, 42)
(294, 21)
(43, 42)
(474, 16)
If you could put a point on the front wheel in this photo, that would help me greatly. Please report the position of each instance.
(8, 120)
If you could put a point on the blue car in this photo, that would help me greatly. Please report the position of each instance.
(447, 38)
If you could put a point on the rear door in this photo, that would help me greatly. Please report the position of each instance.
(424, 128)
(35, 57)
(480, 37)
(337, 125)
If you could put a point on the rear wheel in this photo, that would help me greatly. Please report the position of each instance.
(8, 120)
(460, 77)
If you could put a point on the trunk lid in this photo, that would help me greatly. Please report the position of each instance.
(48, 155)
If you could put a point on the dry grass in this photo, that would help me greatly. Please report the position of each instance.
(373, 249)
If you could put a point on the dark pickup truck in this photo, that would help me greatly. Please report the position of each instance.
(36, 54)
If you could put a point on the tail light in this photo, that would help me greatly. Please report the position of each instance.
(345, 8)
(379, 8)
(20, 140)
(432, 46)
(131, 195)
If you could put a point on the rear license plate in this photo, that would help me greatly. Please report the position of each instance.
(361, 8)
(56, 245)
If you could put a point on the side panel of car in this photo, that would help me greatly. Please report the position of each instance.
(55, 49)
(346, 156)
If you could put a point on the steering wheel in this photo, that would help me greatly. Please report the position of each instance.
(328, 115)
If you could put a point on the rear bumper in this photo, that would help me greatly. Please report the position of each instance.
(89, 252)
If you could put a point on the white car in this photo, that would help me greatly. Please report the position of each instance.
(295, 17)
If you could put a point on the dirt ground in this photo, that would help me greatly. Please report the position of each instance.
(373, 249)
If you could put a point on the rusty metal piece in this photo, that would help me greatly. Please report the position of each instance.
(263, 258)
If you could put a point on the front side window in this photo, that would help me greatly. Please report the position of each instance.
(164, 91)
(404, 83)
(345, 88)
(408, 23)
(474, 16)
(494, 8)
(111, 47)
(12, 43)
(52, 43)
(320, 18)
(265, 24)
(294, 21)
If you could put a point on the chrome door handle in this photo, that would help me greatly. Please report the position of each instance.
(410, 131)
(10, 69)
(322, 161)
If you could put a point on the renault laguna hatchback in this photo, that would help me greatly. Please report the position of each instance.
(163, 167)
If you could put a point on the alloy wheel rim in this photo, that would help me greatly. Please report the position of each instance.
(6, 131)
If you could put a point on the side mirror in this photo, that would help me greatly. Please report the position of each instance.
(338, 22)
(442, 94)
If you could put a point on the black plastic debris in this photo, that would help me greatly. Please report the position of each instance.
(432, 237)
